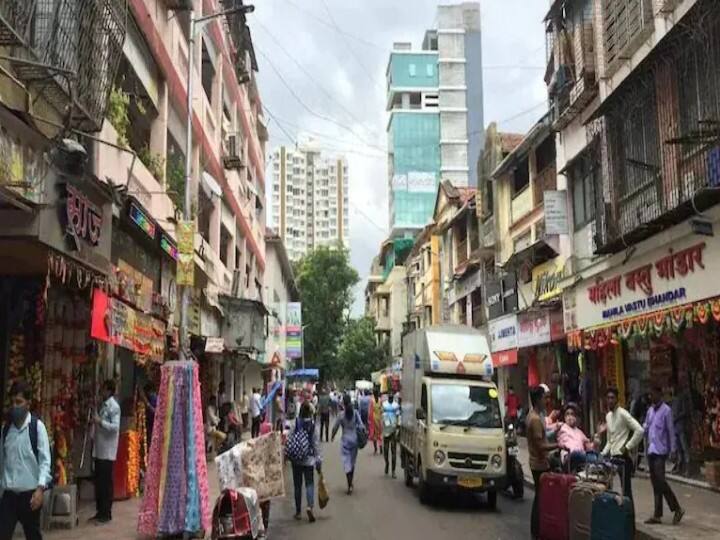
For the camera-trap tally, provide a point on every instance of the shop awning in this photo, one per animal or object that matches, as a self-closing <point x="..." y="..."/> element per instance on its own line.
<point x="307" y="373"/>
<point x="210" y="185"/>
<point x="536" y="253"/>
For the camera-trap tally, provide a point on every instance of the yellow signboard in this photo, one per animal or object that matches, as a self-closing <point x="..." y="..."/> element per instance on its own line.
<point x="186" y="237"/>
<point x="546" y="279"/>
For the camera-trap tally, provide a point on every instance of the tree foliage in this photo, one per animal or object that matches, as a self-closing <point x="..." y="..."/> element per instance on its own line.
<point x="359" y="353"/>
<point x="325" y="280"/>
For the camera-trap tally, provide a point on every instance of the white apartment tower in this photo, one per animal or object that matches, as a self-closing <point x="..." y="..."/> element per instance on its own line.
<point x="309" y="199"/>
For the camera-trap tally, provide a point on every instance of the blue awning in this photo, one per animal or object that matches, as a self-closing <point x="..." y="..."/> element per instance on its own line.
<point x="308" y="373"/>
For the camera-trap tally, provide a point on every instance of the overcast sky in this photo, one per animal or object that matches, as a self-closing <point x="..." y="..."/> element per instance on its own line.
<point x="322" y="74"/>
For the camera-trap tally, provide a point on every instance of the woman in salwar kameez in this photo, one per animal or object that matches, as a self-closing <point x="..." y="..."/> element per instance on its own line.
<point x="349" y="421"/>
<point x="375" y="421"/>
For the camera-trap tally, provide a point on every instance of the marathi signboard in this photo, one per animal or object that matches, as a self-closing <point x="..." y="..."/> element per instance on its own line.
<point x="662" y="278"/>
<point x="555" y="207"/>
<point x="114" y="321"/>
<point x="186" y="253"/>
<point x="294" y="331"/>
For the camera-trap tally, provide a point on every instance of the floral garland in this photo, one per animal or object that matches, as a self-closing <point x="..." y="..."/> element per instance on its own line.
<point x="654" y="324"/>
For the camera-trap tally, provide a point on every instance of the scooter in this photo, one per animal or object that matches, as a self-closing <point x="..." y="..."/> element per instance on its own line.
<point x="515" y="477"/>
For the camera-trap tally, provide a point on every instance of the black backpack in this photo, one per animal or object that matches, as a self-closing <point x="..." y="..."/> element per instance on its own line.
<point x="32" y="432"/>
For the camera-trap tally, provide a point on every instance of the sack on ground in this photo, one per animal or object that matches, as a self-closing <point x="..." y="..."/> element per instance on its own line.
<point x="323" y="495"/>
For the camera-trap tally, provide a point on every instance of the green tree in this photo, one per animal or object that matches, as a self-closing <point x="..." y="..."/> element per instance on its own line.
<point x="360" y="354"/>
<point x="325" y="280"/>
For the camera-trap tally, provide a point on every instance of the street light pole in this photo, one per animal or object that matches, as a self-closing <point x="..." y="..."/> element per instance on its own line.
<point x="195" y="26"/>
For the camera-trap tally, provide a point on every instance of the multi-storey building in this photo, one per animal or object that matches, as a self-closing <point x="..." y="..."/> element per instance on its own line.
<point x="310" y="199"/>
<point x="435" y="115"/>
<point x="93" y="105"/>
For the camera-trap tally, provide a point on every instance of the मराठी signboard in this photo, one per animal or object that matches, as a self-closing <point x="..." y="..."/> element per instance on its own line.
<point x="661" y="278"/>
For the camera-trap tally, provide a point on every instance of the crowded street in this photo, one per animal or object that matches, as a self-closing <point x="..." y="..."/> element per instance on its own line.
<point x="349" y="270"/>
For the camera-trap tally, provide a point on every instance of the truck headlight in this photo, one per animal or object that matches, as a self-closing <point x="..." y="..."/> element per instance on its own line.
<point x="439" y="457"/>
<point x="496" y="461"/>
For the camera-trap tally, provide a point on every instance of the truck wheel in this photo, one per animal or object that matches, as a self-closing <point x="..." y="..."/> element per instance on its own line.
<point x="408" y="473"/>
<point x="423" y="487"/>
<point x="492" y="499"/>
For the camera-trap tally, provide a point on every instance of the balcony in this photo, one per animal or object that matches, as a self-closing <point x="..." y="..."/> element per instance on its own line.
<point x="662" y="131"/>
<point x="383" y="324"/>
<point x="627" y="23"/>
<point x="487" y="233"/>
<point x="522" y="205"/>
<point x="69" y="53"/>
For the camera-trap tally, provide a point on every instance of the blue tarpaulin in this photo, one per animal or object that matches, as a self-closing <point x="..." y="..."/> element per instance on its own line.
<point x="270" y="395"/>
<point x="308" y="373"/>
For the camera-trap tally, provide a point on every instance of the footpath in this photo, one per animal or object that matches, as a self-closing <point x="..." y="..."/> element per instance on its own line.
<point x="702" y="508"/>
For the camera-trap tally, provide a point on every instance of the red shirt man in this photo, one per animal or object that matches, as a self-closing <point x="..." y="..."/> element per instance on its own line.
<point x="512" y="402"/>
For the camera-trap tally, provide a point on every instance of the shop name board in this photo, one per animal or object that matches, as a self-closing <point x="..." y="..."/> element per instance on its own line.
<point x="673" y="274"/>
<point x="546" y="279"/>
<point x="84" y="219"/>
<point x="139" y="218"/>
<point x="503" y="334"/>
<point x="501" y="296"/>
<point x="539" y="327"/>
<point x="670" y="266"/>
<point x="167" y="245"/>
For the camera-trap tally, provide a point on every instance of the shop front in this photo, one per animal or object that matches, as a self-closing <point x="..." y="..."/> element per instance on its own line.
<point x="54" y="251"/>
<point x="655" y="321"/>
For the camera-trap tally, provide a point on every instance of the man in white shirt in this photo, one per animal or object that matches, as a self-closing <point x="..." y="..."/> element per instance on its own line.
<point x="24" y="467"/>
<point x="255" y="412"/>
<point x="624" y="434"/>
<point x="107" y="433"/>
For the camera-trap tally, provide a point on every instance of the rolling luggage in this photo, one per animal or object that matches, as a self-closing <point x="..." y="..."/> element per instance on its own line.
<point x="582" y="496"/>
<point x="553" y="505"/>
<point x="613" y="517"/>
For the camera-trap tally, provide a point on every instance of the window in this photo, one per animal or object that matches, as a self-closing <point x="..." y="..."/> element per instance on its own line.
<point x="583" y="176"/>
<point x="465" y="405"/>
<point x="413" y="70"/>
<point x="430" y="70"/>
<point x="521" y="176"/>
<point x="424" y="398"/>
<point x="208" y="72"/>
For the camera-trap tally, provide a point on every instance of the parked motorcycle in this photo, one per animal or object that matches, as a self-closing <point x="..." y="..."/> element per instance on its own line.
<point x="515" y="476"/>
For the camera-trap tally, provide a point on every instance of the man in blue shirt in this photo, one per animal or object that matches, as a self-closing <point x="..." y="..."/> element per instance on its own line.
<point x="24" y="467"/>
<point x="107" y="433"/>
<point x="391" y="417"/>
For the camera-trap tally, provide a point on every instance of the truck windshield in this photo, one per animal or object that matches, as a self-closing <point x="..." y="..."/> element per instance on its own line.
<point x="464" y="405"/>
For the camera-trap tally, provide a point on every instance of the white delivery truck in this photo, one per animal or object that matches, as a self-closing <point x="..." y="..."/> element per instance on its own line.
<point x="451" y="432"/>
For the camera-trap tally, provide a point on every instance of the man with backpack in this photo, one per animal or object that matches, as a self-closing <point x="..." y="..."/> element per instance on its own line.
<point x="24" y="466"/>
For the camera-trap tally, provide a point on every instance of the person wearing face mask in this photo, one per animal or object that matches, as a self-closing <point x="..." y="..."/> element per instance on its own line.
<point x="107" y="433"/>
<point x="24" y="467"/>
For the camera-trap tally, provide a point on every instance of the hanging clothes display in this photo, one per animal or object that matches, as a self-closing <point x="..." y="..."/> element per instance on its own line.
<point x="176" y="497"/>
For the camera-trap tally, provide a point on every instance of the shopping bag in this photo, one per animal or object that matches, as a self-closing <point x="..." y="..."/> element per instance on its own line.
<point x="323" y="495"/>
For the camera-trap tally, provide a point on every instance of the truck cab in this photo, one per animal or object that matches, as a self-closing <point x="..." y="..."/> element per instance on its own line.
<point x="451" y="435"/>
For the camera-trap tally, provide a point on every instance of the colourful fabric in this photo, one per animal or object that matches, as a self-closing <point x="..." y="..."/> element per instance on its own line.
<point x="147" y="517"/>
<point x="172" y="511"/>
<point x="176" y="497"/>
<point x="192" y="508"/>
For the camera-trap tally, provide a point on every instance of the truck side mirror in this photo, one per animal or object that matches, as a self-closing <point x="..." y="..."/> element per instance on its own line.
<point x="420" y="414"/>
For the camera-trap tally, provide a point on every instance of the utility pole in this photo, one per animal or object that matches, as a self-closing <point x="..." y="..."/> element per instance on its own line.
<point x="196" y="25"/>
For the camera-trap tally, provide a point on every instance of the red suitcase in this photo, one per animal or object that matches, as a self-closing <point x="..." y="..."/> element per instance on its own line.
<point x="554" y="505"/>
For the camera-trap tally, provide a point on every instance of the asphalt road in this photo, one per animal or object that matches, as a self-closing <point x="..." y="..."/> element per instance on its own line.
<point x="384" y="509"/>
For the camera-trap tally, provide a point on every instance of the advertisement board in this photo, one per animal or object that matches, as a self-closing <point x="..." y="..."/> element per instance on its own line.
<point x="293" y="331"/>
<point x="503" y="333"/>
<point x="555" y="205"/>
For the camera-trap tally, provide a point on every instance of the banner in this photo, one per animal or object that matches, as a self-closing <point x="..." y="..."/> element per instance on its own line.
<point x="113" y="321"/>
<point x="293" y="331"/>
<point x="186" y="253"/>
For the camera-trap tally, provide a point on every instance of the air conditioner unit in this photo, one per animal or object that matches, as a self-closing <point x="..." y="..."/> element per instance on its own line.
<point x="233" y="158"/>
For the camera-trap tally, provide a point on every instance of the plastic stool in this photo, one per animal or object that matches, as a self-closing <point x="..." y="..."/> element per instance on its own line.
<point x="69" y="520"/>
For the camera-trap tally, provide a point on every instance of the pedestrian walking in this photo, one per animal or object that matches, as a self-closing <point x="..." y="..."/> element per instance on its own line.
<point x="364" y="406"/>
<point x="255" y="412"/>
<point x="350" y="422"/>
<point x="538" y="448"/>
<point x="661" y="444"/>
<point x="391" y="417"/>
<point x="376" y="423"/>
<point x="304" y="469"/>
<point x="681" y="410"/>
<point x="245" y="411"/>
<point x="624" y="434"/>
<point x="107" y="434"/>
<point x="324" y="410"/>
<point x="24" y="466"/>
